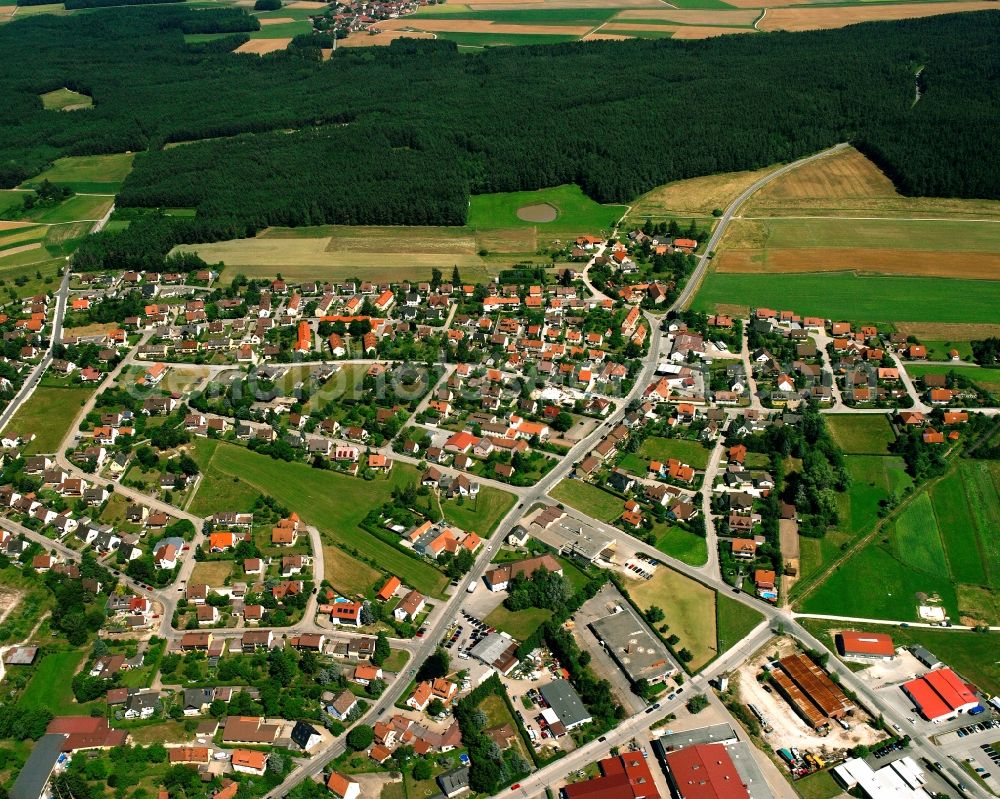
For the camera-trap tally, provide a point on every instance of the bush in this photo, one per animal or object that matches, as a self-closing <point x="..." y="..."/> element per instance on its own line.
<point x="267" y="5"/>
<point x="360" y="737"/>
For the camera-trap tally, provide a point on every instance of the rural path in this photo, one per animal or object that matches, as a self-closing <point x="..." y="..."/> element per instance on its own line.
<point x="694" y="282"/>
<point x="711" y="534"/>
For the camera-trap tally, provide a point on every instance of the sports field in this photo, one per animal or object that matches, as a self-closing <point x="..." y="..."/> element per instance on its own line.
<point x="93" y="174"/>
<point x="495" y="238"/>
<point x="335" y="503"/>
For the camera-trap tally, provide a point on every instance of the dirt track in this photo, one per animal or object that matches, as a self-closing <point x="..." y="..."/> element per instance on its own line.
<point x="916" y="263"/>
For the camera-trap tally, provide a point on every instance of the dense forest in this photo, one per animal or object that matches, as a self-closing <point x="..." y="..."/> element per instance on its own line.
<point x="403" y="134"/>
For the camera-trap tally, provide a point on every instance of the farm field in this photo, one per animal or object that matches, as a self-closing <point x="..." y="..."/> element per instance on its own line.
<point x="48" y="414"/>
<point x="662" y="449"/>
<point x="852" y="297"/>
<point x="96" y="174"/>
<point x="689" y="608"/>
<point x="481" y="514"/>
<point x="695" y="197"/>
<point x="861" y="434"/>
<point x="971" y="654"/>
<point x="987" y="379"/>
<point x="335" y="503"/>
<point x="588" y="499"/>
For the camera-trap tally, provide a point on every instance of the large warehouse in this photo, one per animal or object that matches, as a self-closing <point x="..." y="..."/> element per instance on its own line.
<point x="810" y="691"/>
<point x="940" y="695"/>
<point x="704" y="772"/>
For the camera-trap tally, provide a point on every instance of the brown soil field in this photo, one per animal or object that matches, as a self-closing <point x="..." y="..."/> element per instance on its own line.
<point x="695" y="196"/>
<point x="848" y="181"/>
<point x="609" y="37"/>
<point x="917" y="263"/>
<point x="758" y="4"/>
<point x="13" y="225"/>
<point x="261" y="46"/>
<point x="542" y="212"/>
<point x="310" y="4"/>
<point x="35" y="245"/>
<point x="947" y="331"/>
<point x="687" y="16"/>
<point x="481" y="26"/>
<point x="7" y="10"/>
<point x="274" y="20"/>
<point x="378" y="39"/>
<point x="813" y="17"/>
<point x="706" y="31"/>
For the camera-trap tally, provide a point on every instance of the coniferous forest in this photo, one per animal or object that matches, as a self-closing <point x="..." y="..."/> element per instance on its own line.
<point x="403" y="134"/>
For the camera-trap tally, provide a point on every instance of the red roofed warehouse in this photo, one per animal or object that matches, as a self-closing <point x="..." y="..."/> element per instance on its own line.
<point x="705" y="772"/>
<point x="940" y="695"/>
<point x="624" y="777"/>
<point x="872" y="646"/>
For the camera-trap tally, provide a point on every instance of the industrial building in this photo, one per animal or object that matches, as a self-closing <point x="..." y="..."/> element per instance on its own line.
<point x="901" y="779"/>
<point x="634" y="646"/>
<point x="940" y="695"/>
<point x="865" y="646"/>
<point x="740" y="755"/>
<point x="497" y="650"/>
<point x="704" y="771"/>
<point x="570" y="535"/>
<point x="624" y="777"/>
<point x="810" y="691"/>
<point x="565" y="708"/>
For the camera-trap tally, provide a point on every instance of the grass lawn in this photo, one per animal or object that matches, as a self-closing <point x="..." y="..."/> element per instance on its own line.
<point x="589" y="499"/>
<point x="48" y="414"/>
<point x="519" y="623"/>
<point x="497" y="714"/>
<point x="916" y="540"/>
<point x="97" y="174"/>
<point x="844" y="295"/>
<point x="212" y="572"/>
<point x="861" y="434"/>
<point x="679" y="543"/>
<point x="153" y="733"/>
<point x="971" y="654"/>
<point x="396" y="661"/>
<point x="662" y="449"/>
<point x="818" y="786"/>
<point x="576" y="213"/>
<point x="481" y="514"/>
<point x="982" y="487"/>
<point x="51" y="687"/>
<point x="689" y="607"/>
<point x="987" y="379"/>
<point x="346" y="573"/>
<point x="335" y="503"/>
<point x="733" y="621"/>
<point x="890" y="588"/>
<point x="958" y="531"/>
<point x="65" y="100"/>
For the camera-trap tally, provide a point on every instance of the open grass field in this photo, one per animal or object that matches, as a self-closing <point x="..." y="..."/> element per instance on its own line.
<point x="346" y="573"/>
<point x="961" y="539"/>
<point x="481" y="514"/>
<point x="576" y="213"/>
<point x="733" y="621"/>
<point x="335" y="503"/>
<point x="65" y="100"/>
<point x="48" y="413"/>
<point x="851" y="297"/>
<point x="213" y="573"/>
<point x="80" y="208"/>
<point x="981" y="480"/>
<point x="97" y="174"/>
<point x="51" y="686"/>
<point x="973" y="655"/>
<point x="916" y="540"/>
<point x="986" y="379"/>
<point x="588" y="499"/>
<point x="519" y="624"/>
<point x="952" y="333"/>
<point x="662" y="449"/>
<point x="861" y="434"/>
<point x="689" y="607"/>
<point x="381" y="39"/>
<point x="679" y="543"/>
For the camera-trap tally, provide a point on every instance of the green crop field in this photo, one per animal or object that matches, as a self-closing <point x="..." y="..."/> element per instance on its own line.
<point x="335" y="503"/>
<point x="861" y="434"/>
<point x="481" y="514"/>
<point x="693" y="453"/>
<point x="66" y="100"/>
<point x="679" y="543"/>
<point x="80" y="208"/>
<point x="589" y="499"/>
<point x="48" y="414"/>
<point x="916" y="540"/>
<point x="844" y="295"/>
<point x="972" y="654"/>
<point x="540" y="16"/>
<point x="283" y="30"/>
<point x="479" y="40"/>
<point x="576" y="213"/>
<point x="97" y="174"/>
<point x="986" y="379"/>
<point x="961" y="539"/>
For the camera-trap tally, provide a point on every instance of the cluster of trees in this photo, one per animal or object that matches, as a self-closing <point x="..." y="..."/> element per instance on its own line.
<point x="923" y="461"/>
<point x="405" y="133"/>
<point x="46" y="195"/>
<point x="21" y="724"/>
<point x="595" y="692"/>
<point x="987" y="351"/>
<point x="543" y="589"/>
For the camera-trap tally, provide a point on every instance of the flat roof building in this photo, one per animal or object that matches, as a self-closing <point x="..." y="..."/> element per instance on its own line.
<point x="901" y="779"/>
<point x="565" y="702"/>
<point x="569" y="534"/>
<point x="35" y="773"/>
<point x="704" y="771"/>
<point x="634" y="646"/>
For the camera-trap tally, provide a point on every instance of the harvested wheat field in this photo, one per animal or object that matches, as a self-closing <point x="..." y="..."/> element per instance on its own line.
<point x="813" y="17"/>
<point x="706" y="31"/>
<point x="916" y="263"/>
<point x="35" y="245"/>
<point x="6" y="11"/>
<point x="483" y="26"/>
<point x="600" y="36"/>
<point x="759" y="4"/>
<point x="13" y="224"/>
<point x="378" y="39"/>
<point x="695" y="196"/>
<point x="848" y="181"/>
<point x="262" y="46"/>
<point x="312" y="5"/>
<point x="947" y="331"/>
<point x="690" y="16"/>
<point x="535" y="5"/>
<point x="274" y="20"/>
